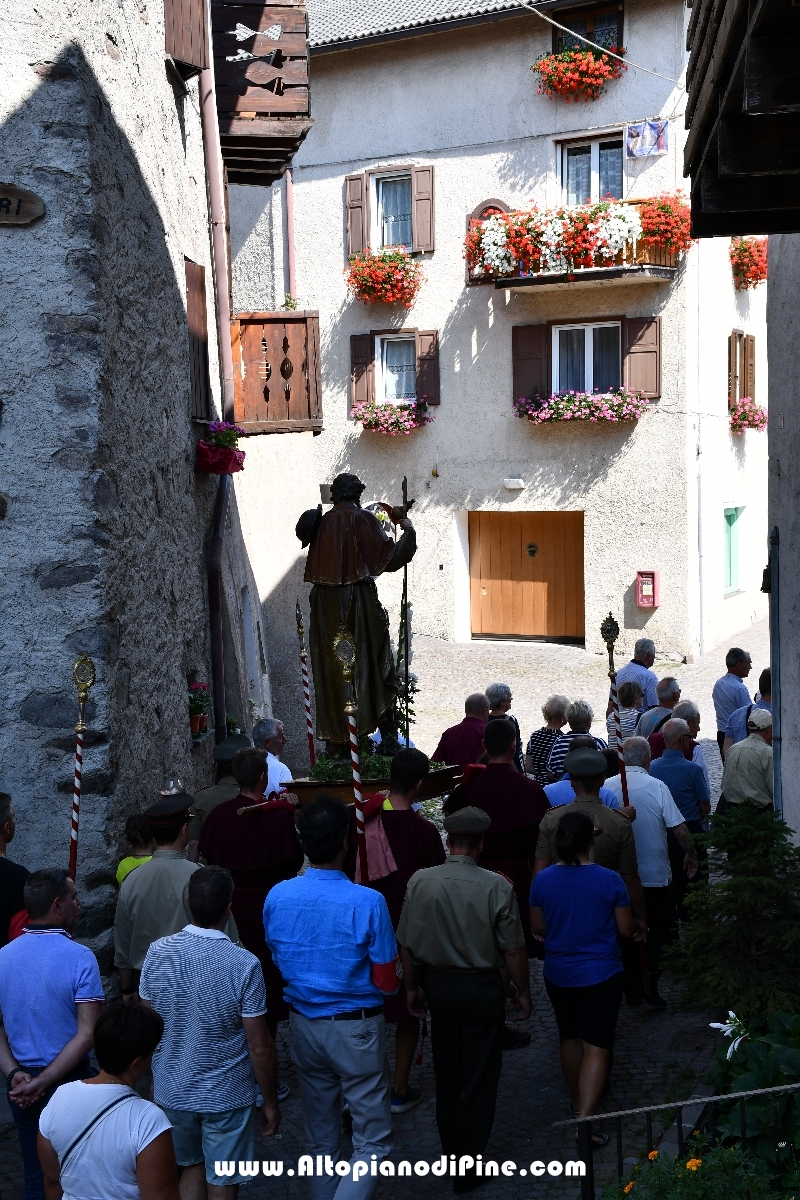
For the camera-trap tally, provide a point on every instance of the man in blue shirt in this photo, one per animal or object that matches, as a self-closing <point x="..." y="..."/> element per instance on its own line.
<point x="687" y="784"/>
<point x="736" y="729"/>
<point x="729" y="692"/>
<point x="50" y="1000"/>
<point x="562" y="792"/>
<point x="334" y="944"/>
<point x="638" y="670"/>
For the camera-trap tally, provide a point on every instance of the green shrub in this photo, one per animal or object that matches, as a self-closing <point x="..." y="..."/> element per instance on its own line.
<point x="702" y="1174"/>
<point x="741" y="948"/>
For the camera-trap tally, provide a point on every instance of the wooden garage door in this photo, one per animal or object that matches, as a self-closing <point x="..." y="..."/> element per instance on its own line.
<point x="526" y="574"/>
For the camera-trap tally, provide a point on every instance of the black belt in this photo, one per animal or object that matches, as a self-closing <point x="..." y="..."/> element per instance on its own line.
<point x="356" y="1014"/>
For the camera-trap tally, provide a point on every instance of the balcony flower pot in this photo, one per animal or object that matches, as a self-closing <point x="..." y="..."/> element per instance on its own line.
<point x="666" y="222"/>
<point x="613" y="407"/>
<point x="577" y="74"/>
<point x="748" y="262"/>
<point x="389" y="276"/>
<point x="194" y="723"/>
<point x="217" y="453"/>
<point x="392" y="419"/>
<point x="746" y="414"/>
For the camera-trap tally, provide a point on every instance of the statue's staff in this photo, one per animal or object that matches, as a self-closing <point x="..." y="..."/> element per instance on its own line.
<point x="83" y="676"/>
<point x="312" y="754"/>
<point x="345" y="652"/>
<point x="609" y="632"/>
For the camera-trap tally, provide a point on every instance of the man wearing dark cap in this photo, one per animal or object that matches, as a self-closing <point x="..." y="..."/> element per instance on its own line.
<point x="226" y="787"/>
<point x="614" y="847"/>
<point x="152" y="899"/>
<point x="459" y="926"/>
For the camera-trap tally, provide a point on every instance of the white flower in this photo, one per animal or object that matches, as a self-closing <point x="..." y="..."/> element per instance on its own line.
<point x="496" y="256"/>
<point x="732" y="1028"/>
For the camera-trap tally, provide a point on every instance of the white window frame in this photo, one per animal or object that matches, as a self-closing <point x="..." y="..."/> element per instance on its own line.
<point x="375" y="235"/>
<point x="380" y="387"/>
<point x="594" y="163"/>
<point x="588" y="361"/>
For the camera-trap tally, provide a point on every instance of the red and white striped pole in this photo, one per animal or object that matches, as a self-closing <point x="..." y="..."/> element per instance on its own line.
<point x="312" y="754"/>
<point x="344" y="651"/>
<point x="83" y="676"/>
<point x="612" y="675"/>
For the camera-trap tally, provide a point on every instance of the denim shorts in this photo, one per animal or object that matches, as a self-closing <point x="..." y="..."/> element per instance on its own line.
<point x="213" y="1137"/>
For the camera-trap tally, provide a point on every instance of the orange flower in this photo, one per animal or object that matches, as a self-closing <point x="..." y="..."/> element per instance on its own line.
<point x="628" y="1187"/>
<point x="694" y="1163"/>
<point x="653" y="1154"/>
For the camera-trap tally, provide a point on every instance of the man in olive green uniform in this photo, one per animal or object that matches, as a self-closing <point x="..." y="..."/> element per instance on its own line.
<point x="459" y="926"/>
<point x="226" y="787"/>
<point x="154" y="905"/>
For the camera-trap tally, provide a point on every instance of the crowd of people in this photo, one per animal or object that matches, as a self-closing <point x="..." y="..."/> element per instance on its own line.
<point x="238" y="909"/>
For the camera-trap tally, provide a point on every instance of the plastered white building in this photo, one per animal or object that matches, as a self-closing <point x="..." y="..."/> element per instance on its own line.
<point x="449" y="87"/>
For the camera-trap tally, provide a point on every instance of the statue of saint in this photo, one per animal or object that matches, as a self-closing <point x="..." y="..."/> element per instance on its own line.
<point x="348" y="548"/>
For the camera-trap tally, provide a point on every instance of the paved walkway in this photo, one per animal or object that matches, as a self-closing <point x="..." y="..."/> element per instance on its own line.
<point x="659" y="1056"/>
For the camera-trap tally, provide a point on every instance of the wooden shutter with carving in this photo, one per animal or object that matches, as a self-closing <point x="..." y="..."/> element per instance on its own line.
<point x="422" y="214"/>
<point x="362" y="368"/>
<point x="641" y="355"/>
<point x="530" y="357"/>
<point x="428" y="366"/>
<point x="356" y="202"/>
<point x="749" y="367"/>
<point x="196" y="316"/>
<point x="276" y="371"/>
<point x="186" y="34"/>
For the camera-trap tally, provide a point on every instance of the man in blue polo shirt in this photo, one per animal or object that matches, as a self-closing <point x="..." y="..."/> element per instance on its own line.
<point x="334" y="944"/>
<point x="50" y="999"/>
<point x="687" y="783"/>
<point x="736" y="729"/>
<point x="729" y="693"/>
<point x="638" y="671"/>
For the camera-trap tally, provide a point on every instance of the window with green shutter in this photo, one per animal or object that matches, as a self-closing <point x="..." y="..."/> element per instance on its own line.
<point x="731" y="550"/>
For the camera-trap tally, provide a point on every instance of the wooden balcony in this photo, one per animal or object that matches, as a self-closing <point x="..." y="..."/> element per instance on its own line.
<point x="635" y="264"/>
<point x="261" y="69"/>
<point x="276" y="372"/>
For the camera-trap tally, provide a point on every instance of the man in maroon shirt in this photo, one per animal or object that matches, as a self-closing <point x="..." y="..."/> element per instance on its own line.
<point x="414" y="843"/>
<point x="463" y="743"/>
<point x="516" y="805"/>
<point x="259" y="849"/>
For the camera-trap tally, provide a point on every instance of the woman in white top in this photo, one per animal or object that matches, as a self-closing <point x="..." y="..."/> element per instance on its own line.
<point x="631" y="695"/>
<point x="98" y="1139"/>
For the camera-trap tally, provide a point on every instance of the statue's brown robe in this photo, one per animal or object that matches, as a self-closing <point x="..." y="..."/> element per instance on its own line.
<point x="349" y="549"/>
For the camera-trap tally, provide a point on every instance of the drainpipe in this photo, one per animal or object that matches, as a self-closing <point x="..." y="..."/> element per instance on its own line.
<point x="775" y="662"/>
<point x="216" y="197"/>
<point x="290" y="233"/>
<point x="215" y="607"/>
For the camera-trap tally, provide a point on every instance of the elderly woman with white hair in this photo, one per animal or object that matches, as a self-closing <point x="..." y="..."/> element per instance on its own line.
<point x="500" y="697"/>
<point x="541" y="741"/>
<point x="580" y="715"/>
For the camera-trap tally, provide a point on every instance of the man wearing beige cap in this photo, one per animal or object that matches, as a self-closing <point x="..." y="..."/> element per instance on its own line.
<point x="459" y="927"/>
<point x="748" y="765"/>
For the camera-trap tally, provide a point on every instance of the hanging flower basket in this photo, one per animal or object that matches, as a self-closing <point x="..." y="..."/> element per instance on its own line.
<point x="217" y="453"/>
<point x="391" y="276"/>
<point x="595" y="407"/>
<point x="392" y="419"/>
<point x="749" y="262"/>
<point x="557" y="239"/>
<point x="746" y="414"/>
<point x="577" y="74"/>
<point x="666" y="223"/>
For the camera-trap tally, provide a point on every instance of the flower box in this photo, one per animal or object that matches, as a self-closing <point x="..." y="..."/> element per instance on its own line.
<point x="748" y="262"/>
<point x="217" y="454"/>
<point x="389" y="276"/>
<point x="577" y="74"/>
<point x="746" y="414"/>
<point x="611" y="407"/>
<point x="391" y="419"/>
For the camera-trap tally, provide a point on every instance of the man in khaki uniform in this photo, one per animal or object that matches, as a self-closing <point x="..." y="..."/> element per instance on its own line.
<point x="226" y="787"/>
<point x="152" y="902"/>
<point x="459" y="926"/>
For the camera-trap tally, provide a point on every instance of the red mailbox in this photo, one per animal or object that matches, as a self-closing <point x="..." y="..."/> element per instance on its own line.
<point x="648" y="589"/>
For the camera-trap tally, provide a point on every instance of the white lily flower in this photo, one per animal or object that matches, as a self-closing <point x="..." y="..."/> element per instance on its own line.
<point x="733" y="1028"/>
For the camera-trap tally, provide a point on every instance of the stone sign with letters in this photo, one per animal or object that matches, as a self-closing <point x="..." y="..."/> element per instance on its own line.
<point x="18" y="207"/>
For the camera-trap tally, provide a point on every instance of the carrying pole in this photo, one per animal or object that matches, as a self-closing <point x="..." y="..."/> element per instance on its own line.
<point x="405" y="625"/>
<point x="83" y="676"/>
<point x="312" y="754"/>
<point x="344" y="651"/>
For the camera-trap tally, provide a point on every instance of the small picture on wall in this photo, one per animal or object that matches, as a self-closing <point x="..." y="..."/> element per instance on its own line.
<point x="647" y="138"/>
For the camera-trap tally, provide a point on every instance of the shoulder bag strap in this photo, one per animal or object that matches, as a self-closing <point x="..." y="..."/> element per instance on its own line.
<point x="92" y="1124"/>
<point x="658" y="727"/>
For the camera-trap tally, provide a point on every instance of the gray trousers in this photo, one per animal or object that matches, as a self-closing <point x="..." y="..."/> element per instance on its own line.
<point x="335" y="1059"/>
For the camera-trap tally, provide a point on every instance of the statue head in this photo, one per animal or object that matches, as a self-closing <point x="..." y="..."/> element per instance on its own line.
<point x="346" y="487"/>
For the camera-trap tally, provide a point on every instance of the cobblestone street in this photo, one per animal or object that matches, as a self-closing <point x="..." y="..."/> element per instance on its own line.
<point x="658" y="1056"/>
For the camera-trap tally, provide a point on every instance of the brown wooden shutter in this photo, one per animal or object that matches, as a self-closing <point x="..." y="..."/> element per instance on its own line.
<point x="198" y="341"/>
<point x="641" y="362"/>
<point x="362" y="369"/>
<point x="749" y="365"/>
<point x="186" y="33"/>
<point x="529" y="353"/>
<point x="732" y="345"/>
<point x="356" y="202"/>
<point x="428" y="366"/>
<point x="422" y="218"/>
